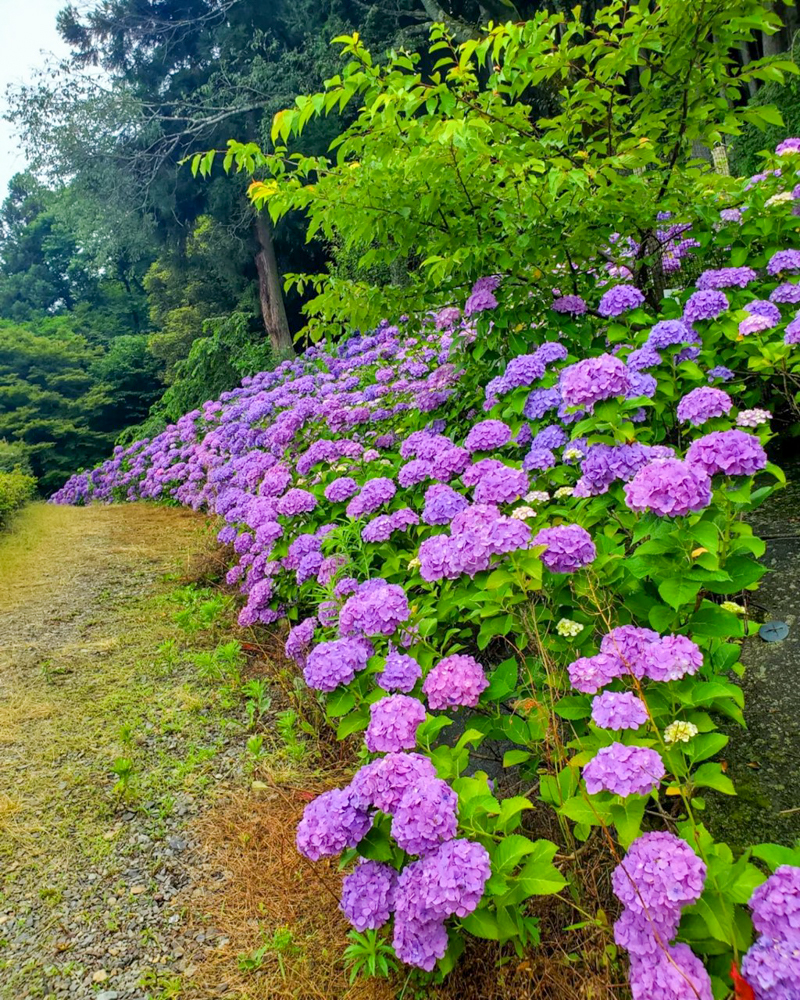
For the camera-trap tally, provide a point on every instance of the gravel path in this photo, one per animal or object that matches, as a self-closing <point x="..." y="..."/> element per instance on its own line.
<point x="99" y="875"/>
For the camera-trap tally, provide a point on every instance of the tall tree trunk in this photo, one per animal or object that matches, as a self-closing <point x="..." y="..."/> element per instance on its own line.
<point x="747" y="57"/>
<point x="772" y="44"/>
<point x="270" y="292"/>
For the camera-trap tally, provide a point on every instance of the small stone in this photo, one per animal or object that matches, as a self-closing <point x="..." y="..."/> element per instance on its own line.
<point x="137" y="890"/>
<point x="100" y="976"/>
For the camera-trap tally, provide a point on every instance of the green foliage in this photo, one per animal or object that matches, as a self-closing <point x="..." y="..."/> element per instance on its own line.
<point x="446" y="169"/>
<point x="16" y="488"/>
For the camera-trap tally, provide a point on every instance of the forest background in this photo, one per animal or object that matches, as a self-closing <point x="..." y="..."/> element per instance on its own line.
<point x="131" y="291"/>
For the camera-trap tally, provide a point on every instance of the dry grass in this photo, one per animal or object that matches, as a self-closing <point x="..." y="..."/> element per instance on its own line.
<point x="267" y="886"/>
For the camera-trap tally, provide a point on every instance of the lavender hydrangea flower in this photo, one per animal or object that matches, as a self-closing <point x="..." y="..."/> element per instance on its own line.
<point x="588" y="674"/>
<point x="754" y="324"/>
<point x="672" y="657"/>
<point x="787" y="293"/>
<point x="720" y="372"/>
<point x="455" y="680"/>
<point x="776" y="906"/>
<point x="442" y="503"/>
<point x="702" y="404"/>
<point x="299" y="640"/>
<point x="732" y="453"/>
<point x="791" y="145"/>
<point x="674" y="974"/>
<point x="772" y="969"/>
<point x="384" y="782"/>
<point x="368" y="894"/>
<point x="629" y="644"/>
<point x="538" y="459"/>
<point x="669" y="333"/>
<point x="503" y="485"/>
<point x="761" y="307"/>
<point x="488" y="435"/>
<point x="550" y="437"/>
<point x="330" y="664"/>
<point x="594" y="379"/>
<point x="784" y="261"/>
<point x="480" y="301"/>
<point x="419" y="943"/>
<point x="624" y="770"/>
<point x="659" y="875"/>
<point x="425" y="817"/>
<point x="792" y="334"/>
<point x="447" y="882"/>
<point x="573" y="305"/>
<point x="618" y="710"/>
<point x="569" y="548"/>
<point x="644" y="357"/>
<point x="295" y="502"/>
<point x="393" y="723"/>
<point x="400" y="673"/>
<point x="540" y="402"/>
<point x="620" y="299"/>
<point x="705" y="305"/>
<point x="373" y="495"/>
<point x="669" y="488"/>
<point x="726" y="277"/>
<point x="377" y="608"/>
<point x="330" y="824"/>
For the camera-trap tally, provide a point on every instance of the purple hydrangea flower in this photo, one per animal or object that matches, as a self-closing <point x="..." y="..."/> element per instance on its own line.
<point x="368" y="894"/>
<point x="702" y="404"/>
<point x="720" y="372"/>
<point x="588" y="674"/>
<point x="540" y="402"/>
<point x="330" y="664"/>
<point x="455" y="680"/>
<point x="574" y="305"/>
<point x="419" y="943"/>
<point x="672" y="657"/>
<point x="330" y="824"/>
<point x="295" y="502"/>
<point x="377" y="608"/>
<point x="447" y="882"/>
<point x="488" y="435"/>
<point x="393" y="723"/>
<point x="624" y="770"/>
<point x="299" y="640"/>
<point x="754" y="324"/>
<point x="644" y="357"/>
<point x="659" y="875"/>
<point x="373" y="495"/>
<point x="669" y="488"/>
<point x="629" y="644"/>
<point x="414" y="472"/>
<point x="618" y="710"/>
<point x="784" y="260"/>
<point x="674" y="974"/>
<point x="538" y="459"/>
<point x="503" y="485"/>
<point x="379" y="529"/>
<point x="384" y="782"/>
<point x="569" y="548"/>
<point x="550" y="437"/>
<point x="760" y="307"/>
<point x="726" y="277"/>
<point x="776" y="906"/>
<point x="480" y="301"/>
<point x="442" y="503"/>
<point x="787" y="293"/>
<point x="791" y="145"/>
<point x="792" y="334"/>
<point x="594" y="379"/>
<point x="732" y="453"/>
<point x="705" y="305"/>
<point x="400" y="673"/>
<point x="425" y="817"/>
<point x="668" y="333"/>
<point x="620" y="299"/>
<point x="772" y="968"/>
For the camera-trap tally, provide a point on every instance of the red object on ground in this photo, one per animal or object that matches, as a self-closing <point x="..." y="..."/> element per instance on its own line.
<point x="741" y="989"/>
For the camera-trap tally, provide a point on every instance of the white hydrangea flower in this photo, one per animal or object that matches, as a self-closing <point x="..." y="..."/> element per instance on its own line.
<point x="572" y="454"/>
<point x="523" y="513"/>
<point x="680" y="732"/>
<point x="567" y="627"/>
<point x="753" y="418"/>
<point x="537" y="496"/>
<point x="737" y="609"/>
<point x="563" y="491"/>
<point x="779" y="199"/>
<point x="414" y="564"/>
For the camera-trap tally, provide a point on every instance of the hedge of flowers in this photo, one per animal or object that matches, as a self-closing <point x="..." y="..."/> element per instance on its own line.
<point x="550" y="550"/>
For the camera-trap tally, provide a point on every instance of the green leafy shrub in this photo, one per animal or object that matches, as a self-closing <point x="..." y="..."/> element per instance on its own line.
<point x="16" y="489"/>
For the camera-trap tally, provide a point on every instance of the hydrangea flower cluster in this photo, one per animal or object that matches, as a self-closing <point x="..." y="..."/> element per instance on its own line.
<point x="658" y="877"/>
<point x="772" y="965"/>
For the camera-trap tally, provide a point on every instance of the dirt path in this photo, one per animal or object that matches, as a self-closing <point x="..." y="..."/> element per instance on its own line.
<point x="107" y="745"/>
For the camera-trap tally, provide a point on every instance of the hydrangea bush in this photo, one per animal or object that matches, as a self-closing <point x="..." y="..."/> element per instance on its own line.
<point x="544" y="539"/>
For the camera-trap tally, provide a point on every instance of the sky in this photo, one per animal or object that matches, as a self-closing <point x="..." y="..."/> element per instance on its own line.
<point x="27" y="34"/>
